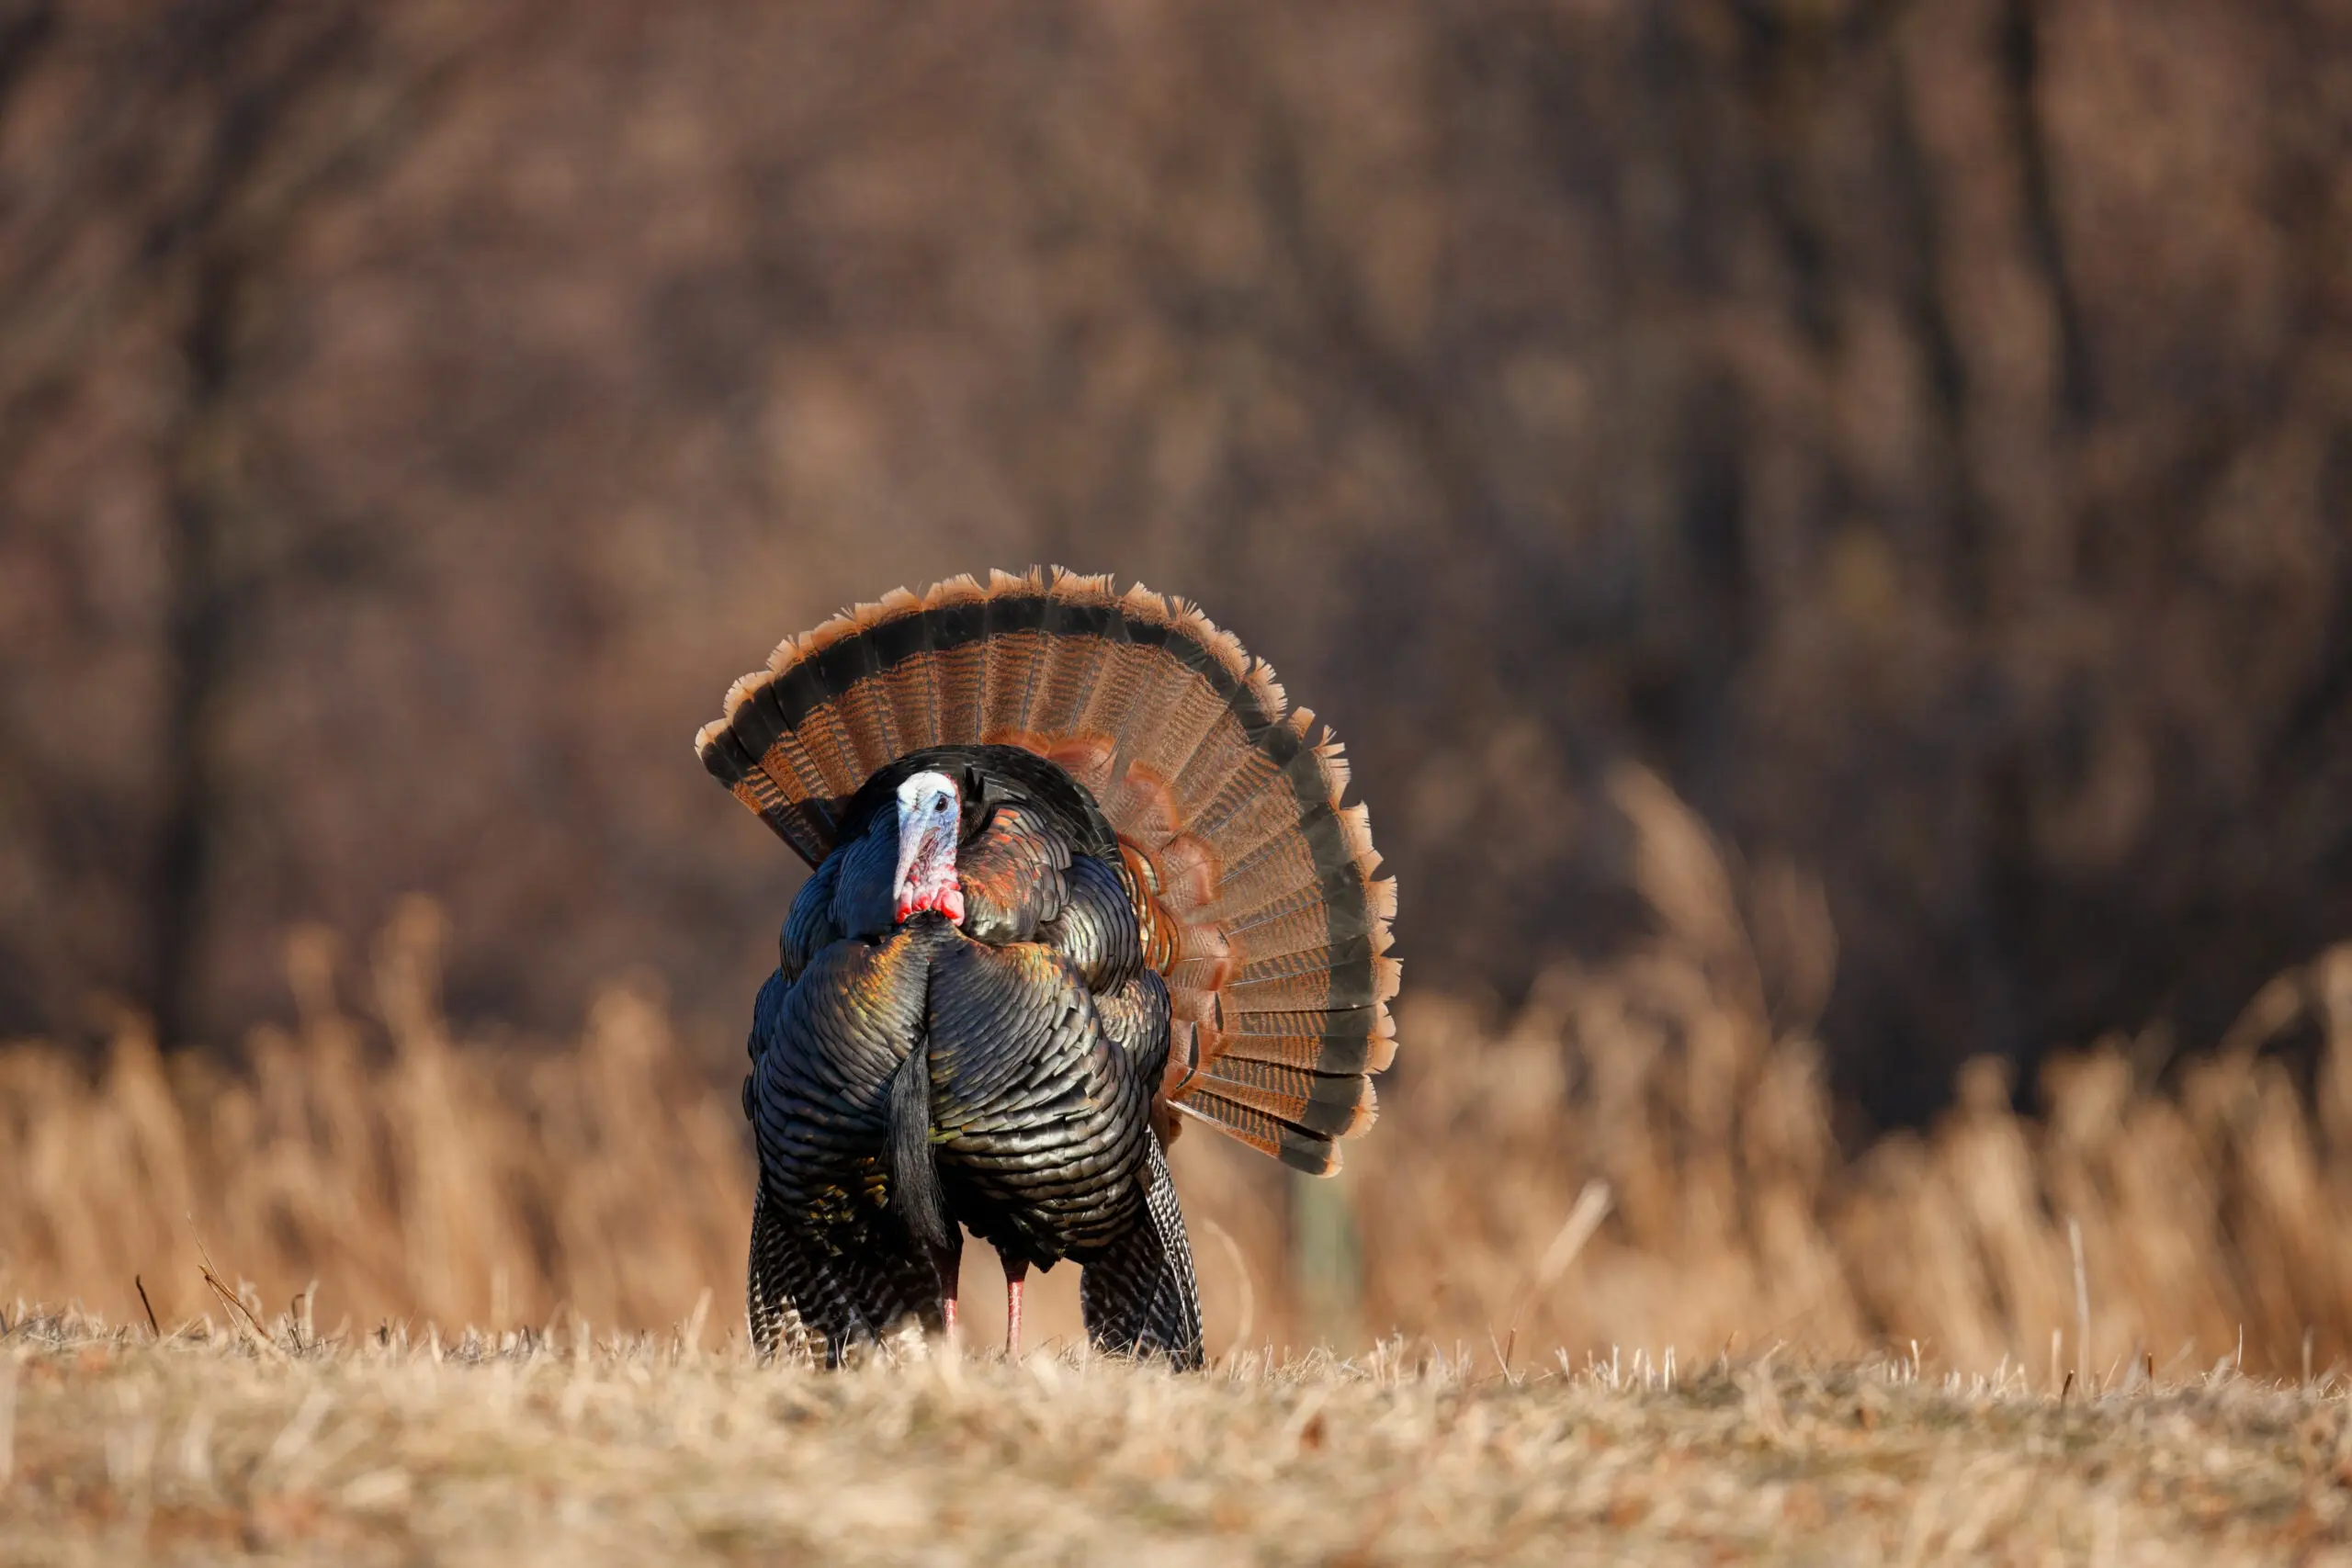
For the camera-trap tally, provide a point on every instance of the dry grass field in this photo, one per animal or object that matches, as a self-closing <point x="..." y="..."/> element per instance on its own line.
<point x="1604" y="1281"/>
<point x="265" y="1442"/>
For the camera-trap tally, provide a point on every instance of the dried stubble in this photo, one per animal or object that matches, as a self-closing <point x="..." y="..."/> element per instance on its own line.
<point x="527" y="1450"/>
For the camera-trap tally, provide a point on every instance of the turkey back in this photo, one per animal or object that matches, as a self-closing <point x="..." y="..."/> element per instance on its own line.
<point x="1252" y="882"/>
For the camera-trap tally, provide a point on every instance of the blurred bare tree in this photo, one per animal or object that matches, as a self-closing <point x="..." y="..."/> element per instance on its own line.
<point x="1923" y="432"/>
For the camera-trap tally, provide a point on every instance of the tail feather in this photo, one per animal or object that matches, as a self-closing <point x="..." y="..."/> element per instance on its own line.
<point x="955" y="615"/>
<point x="1334" y="1104"/>
<point x="1313" y="1153"/>
<point x="1081" y="637"/>
<point x="1127" y="696"/>
<point x="1314" y="1053"/>
<point x="1256" y="882"/>
<point x="1016" y="655"/>
<point x="874" y="739"/>
<point x="909" y="672"/>
<point x="1160" y="741"/>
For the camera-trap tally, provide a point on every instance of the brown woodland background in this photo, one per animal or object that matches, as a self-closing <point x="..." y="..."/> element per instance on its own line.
<point x="1921" y="434"/>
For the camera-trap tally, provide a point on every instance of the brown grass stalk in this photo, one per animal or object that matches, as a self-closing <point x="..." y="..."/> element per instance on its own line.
<point x="398" y="1174"/>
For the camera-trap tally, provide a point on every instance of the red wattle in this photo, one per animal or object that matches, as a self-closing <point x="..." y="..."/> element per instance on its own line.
<point x="947" y="900"/>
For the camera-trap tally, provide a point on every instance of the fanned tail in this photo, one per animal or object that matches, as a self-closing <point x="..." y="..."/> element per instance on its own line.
<point x="1139" y="1297"/>
<point x="1255" y="884"/>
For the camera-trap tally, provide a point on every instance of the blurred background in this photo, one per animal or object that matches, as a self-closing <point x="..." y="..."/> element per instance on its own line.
<point x="1905" y="449"/>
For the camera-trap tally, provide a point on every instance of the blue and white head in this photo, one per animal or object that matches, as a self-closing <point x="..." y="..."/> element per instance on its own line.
<point x="931" y="820"/>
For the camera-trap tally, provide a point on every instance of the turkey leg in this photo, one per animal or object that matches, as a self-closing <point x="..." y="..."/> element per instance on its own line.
<point x="1014" y="1272"/>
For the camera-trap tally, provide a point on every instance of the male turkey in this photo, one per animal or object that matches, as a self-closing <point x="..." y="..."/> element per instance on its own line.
<point x="1079" y="868"/>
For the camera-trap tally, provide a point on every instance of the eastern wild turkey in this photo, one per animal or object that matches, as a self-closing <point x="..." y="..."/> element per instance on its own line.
<point x="1080" y="871"/>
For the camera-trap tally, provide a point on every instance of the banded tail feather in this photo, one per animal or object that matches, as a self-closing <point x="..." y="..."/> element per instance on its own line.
<point x="1255" y="884"/>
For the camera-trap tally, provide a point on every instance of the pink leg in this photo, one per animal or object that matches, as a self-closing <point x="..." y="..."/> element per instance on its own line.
<point x="1014" y="1274"/>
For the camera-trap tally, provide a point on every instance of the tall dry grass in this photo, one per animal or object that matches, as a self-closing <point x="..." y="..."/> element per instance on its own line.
<point x="407" y="1174"/>
<point x="2209" y="1216"/>
<point x="411" y="1174"/>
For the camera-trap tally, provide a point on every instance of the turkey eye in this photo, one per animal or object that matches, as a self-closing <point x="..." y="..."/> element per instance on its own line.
<point x="939" y="802"/>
